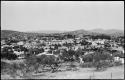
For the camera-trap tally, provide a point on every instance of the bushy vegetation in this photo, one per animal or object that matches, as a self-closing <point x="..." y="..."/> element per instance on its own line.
<point x="88" y="58"/>
<point x="44" y="60"/>
<point x="100" y="59"/>
<point x="117" y="63"/>
<point x="4" y="67"/>
<point x="30" y="65"/>
<point x="87" y="65"/>
<point x="7" y="53"/>
<point x="13" y="69"/>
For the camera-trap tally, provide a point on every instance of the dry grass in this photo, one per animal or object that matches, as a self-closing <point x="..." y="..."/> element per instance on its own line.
<point x="79" y="73"/>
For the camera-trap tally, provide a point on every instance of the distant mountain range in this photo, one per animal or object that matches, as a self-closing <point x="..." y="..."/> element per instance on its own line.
<point x="112" y="32"/>
<point x="9" y="33"/>
<point x="47" y="31"/>
<point x="6" y="33"/>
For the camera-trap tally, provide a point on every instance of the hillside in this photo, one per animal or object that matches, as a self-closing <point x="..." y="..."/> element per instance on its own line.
<point x="81" y="32"/>
<point x="6" y="33"/>
<point x="10" y="33"/>
<point x="111" y="32"/>
<point x="46" y="31"/>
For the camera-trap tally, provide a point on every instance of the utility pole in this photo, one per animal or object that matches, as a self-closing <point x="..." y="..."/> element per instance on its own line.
<point x="111" y="75"/>
<point x="93" y="74"/>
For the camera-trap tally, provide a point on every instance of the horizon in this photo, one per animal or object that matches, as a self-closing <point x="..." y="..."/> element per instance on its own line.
<point x="26" y="16"/>
<point x="65" y="30"/>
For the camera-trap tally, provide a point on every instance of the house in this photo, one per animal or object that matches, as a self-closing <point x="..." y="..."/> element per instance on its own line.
<point x="45" y="52"/>
<point x="5" y="46"/>
<point x="122" y="60"/>
<point x="3" y="42"/>
<point x="94" y="43"/>
<point x="88" y="52"/>
<point x="27" y="45"/>
<point x="63" y="47"/>
<point x="119" y="59"/>
<point x="118" y="49"/>
<point x="100" y="41"/>
<point x="20" y="43"/>
<point x="116" y="58"/>
<point x="20" y="54"/>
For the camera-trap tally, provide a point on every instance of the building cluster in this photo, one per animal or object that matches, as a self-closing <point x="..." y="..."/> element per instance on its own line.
<point x="86" y="44"/>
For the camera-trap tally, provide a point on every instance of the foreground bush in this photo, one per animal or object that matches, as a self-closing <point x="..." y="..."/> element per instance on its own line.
<point x="13" y="69"/>
<point x="72" y="66"/>
<point x="86" y="65"/>
<point x="5" y="67"/>
<point x="34" y="62"/>
<point x="100" y="65"/>
<point x="117" y="63"/>
<point x="30" y="65"/>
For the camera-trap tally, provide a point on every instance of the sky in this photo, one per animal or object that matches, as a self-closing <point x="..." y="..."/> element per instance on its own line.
<point x="61" y="15"/>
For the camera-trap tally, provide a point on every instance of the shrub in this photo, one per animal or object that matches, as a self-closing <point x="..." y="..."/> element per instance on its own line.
<point x="31" y="63"/>
<point x="88" y="57"/>
<point x="86" y="65"/>
<point x="72" y="66"/>
<point x="117" y="63"/>
<point x="5" y="67"/>
<point x="102" y="59"/>
<point x="9" y="56"/>
<point x="12" y="69"/>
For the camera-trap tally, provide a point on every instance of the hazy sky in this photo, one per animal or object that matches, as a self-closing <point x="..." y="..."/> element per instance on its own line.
<point x="61" y="15"/>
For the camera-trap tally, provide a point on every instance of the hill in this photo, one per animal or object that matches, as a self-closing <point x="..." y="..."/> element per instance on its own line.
<point x="81" y="32"/>
<point x="111" y="32"/>
<point x="46" y="31"/>
<point x="7" y="33"/>
<point x="11" y="33"/>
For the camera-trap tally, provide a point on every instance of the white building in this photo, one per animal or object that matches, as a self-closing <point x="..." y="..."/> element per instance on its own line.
<point x="119" y="59"/>
<point x="20" y="43"/>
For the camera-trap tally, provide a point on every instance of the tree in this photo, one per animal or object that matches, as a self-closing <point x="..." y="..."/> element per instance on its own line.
<point x="118" y="54"/>
<point x="88" y="58"/>
<point x="78" y="53"/>
<point x="7" y="53"/>
<point x="71" y="52"/>
<point x="64" y="55"/>
<point x="84" y="42"/>
<point x="33" y="62"/>
<point x="107" y="44"/>
<point x="100" y="56"/>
